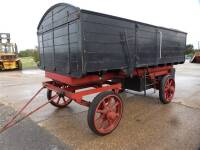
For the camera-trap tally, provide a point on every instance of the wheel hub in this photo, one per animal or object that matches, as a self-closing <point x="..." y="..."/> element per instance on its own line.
<point x="111" y="115"/>
<point x="61" y="94"/>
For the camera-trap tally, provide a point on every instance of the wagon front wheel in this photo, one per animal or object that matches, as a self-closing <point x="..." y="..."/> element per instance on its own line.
<point x="105" y="113"/>
<point x="167" y="89"/>
<point x="61" y="101"/>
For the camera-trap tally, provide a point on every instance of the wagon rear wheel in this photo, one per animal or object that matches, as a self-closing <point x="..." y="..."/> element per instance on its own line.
<point x="61" y="101"/>
<point x="105" y="113"/>
<point x="167" y="89"/>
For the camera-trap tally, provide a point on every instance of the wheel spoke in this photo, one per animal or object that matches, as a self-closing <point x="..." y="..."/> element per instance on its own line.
<point x="115" y="105"/>
<point x="166" y="89"/>
<point x="110" y="122"/>
<point x="104" y="104"/>
<point x="110" y="126"/>
<point x="168" y="84"/>
<point x="172" y="89"/>
<point x="100" y="111"/>
<point x="53" y="95"/>
<point x="99" y="121"/>
<point x="110" y="102"/>
<point x="166" y="95"/>
<point x="117" y="114"/>
<point x="58" y="100"/>
<point x="172" y="83"/>
<point x="65" y="102"/>
<point x="99" y="118"/>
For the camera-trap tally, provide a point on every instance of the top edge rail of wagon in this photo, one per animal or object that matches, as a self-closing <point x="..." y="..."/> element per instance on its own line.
<point x="102" y="14"/>
<point x="115" y="17"/>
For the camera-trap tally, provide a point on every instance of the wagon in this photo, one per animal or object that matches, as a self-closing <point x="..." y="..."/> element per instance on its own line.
<point x="85" y="52"/>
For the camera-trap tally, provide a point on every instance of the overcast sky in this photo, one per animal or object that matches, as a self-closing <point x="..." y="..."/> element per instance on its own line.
<point x="21" y="17"/>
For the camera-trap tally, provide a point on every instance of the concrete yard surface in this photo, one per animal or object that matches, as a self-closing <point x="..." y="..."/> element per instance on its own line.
<point x="146" y="123"/>
<point x="27" y="135"/>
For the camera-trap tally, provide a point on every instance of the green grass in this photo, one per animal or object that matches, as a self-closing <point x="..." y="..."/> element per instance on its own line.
<point x="28" y="62"/>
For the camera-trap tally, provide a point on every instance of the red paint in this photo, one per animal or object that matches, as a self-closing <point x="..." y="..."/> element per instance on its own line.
<point x="89" y="79"/>
<point x="77" y="96"/>
<point x="155" y="71"/>
<point x="94" y="79"/>
<point x="169" y="89"/>
<point x="96" y="83"/>
<point x="108" y="114"/>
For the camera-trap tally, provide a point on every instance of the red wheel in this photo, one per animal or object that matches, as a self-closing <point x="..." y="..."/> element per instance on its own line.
<point x="61" y="101"/>
<point x="105" y="113"/>
<point x="167" y="89"/>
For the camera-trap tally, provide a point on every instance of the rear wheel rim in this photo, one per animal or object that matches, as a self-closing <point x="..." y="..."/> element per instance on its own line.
<point x="169" y="89"/>
<point x="108" y="114"/>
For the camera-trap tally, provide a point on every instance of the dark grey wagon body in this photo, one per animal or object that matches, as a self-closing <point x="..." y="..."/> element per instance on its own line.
<point x="76" y="42"/>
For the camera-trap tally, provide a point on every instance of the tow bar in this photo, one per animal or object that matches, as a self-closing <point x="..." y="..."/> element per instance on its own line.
<point x="13" y="121"/>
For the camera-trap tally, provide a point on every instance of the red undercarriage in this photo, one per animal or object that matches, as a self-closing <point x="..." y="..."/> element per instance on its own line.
<point x="96" y="84"/>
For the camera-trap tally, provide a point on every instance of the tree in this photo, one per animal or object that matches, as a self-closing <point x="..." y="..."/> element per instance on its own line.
<point x="30" y="53"/>
<point x="36" y="56"/>
<point x="189" y="49"/>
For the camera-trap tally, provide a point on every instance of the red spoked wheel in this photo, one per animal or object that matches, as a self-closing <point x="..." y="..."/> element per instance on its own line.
<point x="105" y="113"/>
<point x="61" y="101"/>
<point x="167" y="89"/>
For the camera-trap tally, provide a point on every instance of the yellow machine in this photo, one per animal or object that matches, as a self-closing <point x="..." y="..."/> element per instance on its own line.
<point x="8" y="54"/>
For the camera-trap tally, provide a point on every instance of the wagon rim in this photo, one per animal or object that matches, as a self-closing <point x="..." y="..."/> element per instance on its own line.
<point x="108" y="114"/>
<point x="169" y="89"/>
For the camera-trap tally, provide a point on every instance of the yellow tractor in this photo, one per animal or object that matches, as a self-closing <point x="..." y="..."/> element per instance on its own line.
<point x="9" y="59"/>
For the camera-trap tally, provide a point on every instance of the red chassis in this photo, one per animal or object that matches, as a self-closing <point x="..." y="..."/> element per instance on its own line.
<point x="105" y="111"/>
